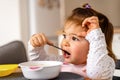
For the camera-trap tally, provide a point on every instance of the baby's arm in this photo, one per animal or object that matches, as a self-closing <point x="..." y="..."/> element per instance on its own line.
<point x="99" y="64"/>
<point x="36" y="48"/>
<point x="36" y="53"/>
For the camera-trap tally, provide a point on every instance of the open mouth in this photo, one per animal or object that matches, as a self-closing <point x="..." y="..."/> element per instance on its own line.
<point x="66" y="54"/>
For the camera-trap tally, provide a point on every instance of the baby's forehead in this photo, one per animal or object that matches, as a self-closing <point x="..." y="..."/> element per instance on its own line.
<point x="72" y="23"/>
<point x="76" y="30"/>
<point x="73" y="26"/>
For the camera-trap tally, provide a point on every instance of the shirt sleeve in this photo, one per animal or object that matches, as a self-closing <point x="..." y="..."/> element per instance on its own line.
<point x="39" y="54"/>
<point x="99" y="64"/>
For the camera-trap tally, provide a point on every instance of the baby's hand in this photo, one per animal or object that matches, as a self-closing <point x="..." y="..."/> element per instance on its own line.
<point x="91" y="23"/>
<point x="38" y="40"/>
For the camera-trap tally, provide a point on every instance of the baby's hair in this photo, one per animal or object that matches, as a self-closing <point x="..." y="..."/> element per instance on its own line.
<point x="86" y="6"/>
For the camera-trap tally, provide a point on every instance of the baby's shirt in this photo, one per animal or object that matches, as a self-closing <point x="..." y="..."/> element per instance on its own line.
<point x="99" y="64"/>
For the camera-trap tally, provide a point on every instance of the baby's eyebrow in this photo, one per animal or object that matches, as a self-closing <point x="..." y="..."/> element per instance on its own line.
<point x="76" y="35"/>
<point x="63" y="32"/>
<point x="72" y="34"/>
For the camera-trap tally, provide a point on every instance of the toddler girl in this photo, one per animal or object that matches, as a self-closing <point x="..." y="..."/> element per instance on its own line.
<point x="87" y="36"/>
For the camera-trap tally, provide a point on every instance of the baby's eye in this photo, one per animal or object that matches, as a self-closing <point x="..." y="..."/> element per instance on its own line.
<point x="75" y="38"/>
<point x="64" y="36"/>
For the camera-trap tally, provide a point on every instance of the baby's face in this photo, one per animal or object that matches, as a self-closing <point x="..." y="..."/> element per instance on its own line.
<point x="75" y="43"/>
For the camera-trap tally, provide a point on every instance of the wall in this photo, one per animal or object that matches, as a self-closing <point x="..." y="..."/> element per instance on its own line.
<point x="24" y="21"/>
<point x="43" y="19"/>
<point x="13" y="21"/>
<point x="116" y="45"/>
<point x="9" y="21"/>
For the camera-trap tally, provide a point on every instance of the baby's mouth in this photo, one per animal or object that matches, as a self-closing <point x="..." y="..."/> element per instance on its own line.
<point x="66" y="54"/>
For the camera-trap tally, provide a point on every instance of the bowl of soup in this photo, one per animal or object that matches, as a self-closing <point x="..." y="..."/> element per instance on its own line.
<point x="40" y="69"/>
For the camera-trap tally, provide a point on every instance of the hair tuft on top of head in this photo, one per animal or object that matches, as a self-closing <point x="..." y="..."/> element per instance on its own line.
<point x="86" y="6"/>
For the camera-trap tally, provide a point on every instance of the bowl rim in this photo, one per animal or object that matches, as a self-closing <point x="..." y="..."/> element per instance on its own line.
<point x="23" y="64"/>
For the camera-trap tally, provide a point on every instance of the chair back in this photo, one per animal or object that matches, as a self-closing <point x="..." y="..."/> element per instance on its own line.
<point x="13" y="53"/>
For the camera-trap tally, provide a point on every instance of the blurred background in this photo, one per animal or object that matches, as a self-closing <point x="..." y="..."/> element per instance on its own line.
<point x="19" y="19"/>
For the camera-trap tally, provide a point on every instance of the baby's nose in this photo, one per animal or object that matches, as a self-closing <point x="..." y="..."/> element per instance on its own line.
<point x="65" y="43"/>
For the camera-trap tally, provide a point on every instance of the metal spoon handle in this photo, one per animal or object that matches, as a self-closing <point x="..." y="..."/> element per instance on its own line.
<point x="59" y="48"/>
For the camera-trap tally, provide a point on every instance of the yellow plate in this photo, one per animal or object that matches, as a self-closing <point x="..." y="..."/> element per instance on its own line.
<point x="7" y="69"/>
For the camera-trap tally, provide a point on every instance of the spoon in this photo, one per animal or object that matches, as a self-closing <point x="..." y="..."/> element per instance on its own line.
<point x="59" y="48"/>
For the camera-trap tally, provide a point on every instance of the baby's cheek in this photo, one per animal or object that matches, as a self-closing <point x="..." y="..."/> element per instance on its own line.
<point x="76" y="49"/>
<point x="61" y="44"/>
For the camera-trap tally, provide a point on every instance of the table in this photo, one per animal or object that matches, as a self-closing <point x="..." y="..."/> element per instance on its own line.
<point x="14" y="76"/>
<point x="62" y="76"/>
<point x="68" y="76"/>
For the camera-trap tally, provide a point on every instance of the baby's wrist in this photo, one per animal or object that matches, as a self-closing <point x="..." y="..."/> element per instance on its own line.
<point x="92" y="29"/>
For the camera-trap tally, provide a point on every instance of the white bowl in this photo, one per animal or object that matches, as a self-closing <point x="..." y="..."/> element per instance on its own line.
<point x="41" y="69"/>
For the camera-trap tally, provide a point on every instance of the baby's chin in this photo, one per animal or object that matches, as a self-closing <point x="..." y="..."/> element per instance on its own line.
<point x="68" y="61"/>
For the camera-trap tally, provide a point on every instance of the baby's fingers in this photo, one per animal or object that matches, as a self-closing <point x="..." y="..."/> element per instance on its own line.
<point x="39" y="39"/>
<point x="34" y="42"/>
<point x="45" y="40"/>
<point x="85" y="23"/>
<point x="91" y="22"/>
